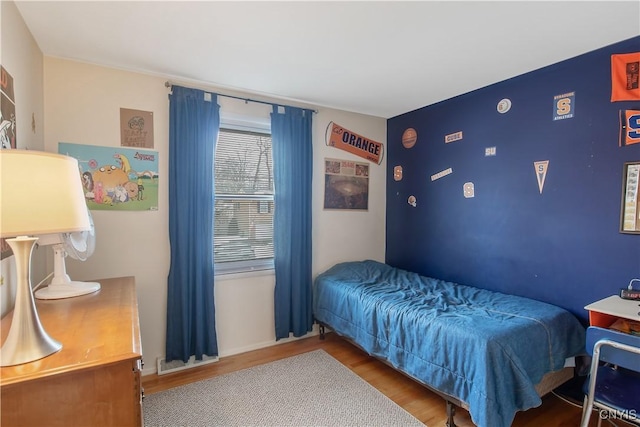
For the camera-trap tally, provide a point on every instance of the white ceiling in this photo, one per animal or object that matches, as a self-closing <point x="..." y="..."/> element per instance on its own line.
<point x="372" y="57"/>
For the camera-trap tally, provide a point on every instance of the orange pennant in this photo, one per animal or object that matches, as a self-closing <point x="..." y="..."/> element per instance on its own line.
<point x="359" y="145"/>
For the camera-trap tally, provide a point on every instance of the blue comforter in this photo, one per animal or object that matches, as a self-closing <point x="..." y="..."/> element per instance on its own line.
<point x="486" y="349"/>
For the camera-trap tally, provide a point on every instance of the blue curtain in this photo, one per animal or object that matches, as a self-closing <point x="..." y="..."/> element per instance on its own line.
<point x="292" y="173"/>
<point x="193" y="130"/>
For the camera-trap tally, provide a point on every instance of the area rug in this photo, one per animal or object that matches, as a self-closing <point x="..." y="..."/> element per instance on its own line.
<point x="310" y="389"/>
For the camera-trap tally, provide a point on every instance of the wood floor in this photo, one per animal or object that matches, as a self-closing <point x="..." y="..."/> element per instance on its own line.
<point x="420" y="402"/>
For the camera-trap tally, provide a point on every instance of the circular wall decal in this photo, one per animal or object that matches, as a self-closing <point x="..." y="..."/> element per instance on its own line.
<point x="504" y="105"/>
<point x="409" y="137"/>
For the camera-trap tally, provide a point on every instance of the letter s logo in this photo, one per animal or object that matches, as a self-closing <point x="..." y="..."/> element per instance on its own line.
<point x="563" y="106"/>
<point x="633" y="127"/>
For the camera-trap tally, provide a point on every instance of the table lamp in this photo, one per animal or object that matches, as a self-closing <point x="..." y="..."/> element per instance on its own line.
<point x="40" y="193"/>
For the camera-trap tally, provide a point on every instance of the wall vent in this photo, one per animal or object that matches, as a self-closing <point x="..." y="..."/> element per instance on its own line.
<point x="165" y="367"/>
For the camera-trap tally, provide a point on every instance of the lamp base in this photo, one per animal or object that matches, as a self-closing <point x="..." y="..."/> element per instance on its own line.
<point x="27" y="340"/>
<point x="37" y="347"/>
<point x="67" y="290"/>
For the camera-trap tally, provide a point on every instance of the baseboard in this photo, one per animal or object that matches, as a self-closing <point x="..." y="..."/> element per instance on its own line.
<point x="175" y="366"/>
<point x="163" y="367"/>
<point x="265" y="344"/>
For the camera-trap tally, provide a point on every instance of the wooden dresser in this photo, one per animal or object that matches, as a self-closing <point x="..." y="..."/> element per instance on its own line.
<point x="95" y="379"/>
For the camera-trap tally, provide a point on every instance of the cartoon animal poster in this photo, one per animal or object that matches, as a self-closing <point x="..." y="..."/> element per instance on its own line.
<point x="116" y="178"/>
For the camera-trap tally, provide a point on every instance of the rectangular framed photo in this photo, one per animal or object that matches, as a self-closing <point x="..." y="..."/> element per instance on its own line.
<point x="630" y="210"/>
<point x="346" y="185"/>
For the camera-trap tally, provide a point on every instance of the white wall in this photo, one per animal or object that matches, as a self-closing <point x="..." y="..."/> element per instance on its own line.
<point x="82" y="105"/>
<point x="21" y="57"/>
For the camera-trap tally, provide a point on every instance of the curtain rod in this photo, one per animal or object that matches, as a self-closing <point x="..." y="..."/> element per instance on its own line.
<point x="169" y="85"/>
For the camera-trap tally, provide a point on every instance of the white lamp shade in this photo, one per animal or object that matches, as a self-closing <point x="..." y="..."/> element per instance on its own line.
<point x="40" y="193"/>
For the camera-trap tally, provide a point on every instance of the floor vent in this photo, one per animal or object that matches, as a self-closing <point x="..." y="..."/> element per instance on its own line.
<point x="165" y="367"/>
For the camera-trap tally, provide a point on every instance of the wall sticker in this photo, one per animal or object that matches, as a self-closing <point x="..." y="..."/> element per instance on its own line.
<point x="541" y="172"/>
<point x="504" y="105"/>
<point x="397" y="173"/>
<point x="468" y="190"/>
<point x="564" y="106"/>
<point x="409" y="138"/>
<point x="441" y="174"/>
<point x="452" y="137"/>
<point x="412" y="201"/>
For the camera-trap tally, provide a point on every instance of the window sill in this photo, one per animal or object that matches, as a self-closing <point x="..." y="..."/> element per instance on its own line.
<point x="245" y="274"/>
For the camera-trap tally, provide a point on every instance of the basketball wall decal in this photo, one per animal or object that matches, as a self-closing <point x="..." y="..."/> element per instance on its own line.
<point x="409" y="137"/>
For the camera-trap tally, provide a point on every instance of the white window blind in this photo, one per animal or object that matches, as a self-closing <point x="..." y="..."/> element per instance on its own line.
<point x="243" y="221"/>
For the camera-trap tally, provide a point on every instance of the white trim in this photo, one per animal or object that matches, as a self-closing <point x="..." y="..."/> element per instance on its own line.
<point x="163" y="367"/>
<point x="238" y="350"/>
<point x="238" y="273"/>
<point x="236" y="121"/>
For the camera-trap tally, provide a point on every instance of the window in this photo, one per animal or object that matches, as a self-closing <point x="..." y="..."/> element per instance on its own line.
<point x="243" y="218"/>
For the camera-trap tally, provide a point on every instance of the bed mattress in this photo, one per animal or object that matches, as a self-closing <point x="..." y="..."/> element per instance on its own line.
<point x="484" y="348"/>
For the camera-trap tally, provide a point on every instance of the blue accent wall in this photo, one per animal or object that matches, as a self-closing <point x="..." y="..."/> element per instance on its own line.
<point x="562" y="246"/>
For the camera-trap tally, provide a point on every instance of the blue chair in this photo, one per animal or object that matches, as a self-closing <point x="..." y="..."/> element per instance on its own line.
<point x="613" y="385"/>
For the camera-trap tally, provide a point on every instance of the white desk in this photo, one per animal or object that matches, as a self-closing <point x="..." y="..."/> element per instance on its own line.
<point x="604" y="312"/>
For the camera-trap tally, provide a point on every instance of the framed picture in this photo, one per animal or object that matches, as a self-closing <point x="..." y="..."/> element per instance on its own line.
<point x="630" y="211"/>
<point x="346" y="185"/>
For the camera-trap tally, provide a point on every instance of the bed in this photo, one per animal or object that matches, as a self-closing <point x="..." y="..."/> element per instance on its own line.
<point x="491" y="353"/>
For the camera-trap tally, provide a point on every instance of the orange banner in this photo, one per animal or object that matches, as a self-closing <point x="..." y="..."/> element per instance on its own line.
<point x="344" y="139"/>
<point x="625" y="77"/>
